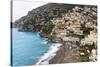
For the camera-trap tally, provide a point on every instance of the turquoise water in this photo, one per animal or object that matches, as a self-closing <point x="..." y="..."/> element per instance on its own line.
<point x="27" y="48"/>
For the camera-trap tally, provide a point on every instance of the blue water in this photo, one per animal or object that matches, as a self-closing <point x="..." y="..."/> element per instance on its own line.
<point x="28" y="47"/>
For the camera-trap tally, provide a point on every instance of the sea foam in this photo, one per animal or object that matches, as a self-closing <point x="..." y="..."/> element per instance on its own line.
<point x="50" y="54"/>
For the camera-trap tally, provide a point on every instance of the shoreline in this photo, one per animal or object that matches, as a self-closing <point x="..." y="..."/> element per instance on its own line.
<point x="45" y="59"/>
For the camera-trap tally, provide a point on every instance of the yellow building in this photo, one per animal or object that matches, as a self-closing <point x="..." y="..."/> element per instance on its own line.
<point x="75" y="24"/>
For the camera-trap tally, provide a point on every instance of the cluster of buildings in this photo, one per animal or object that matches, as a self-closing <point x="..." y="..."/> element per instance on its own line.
<point x="70" y="27"/>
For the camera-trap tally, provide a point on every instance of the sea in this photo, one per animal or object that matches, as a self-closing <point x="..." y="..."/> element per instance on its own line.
<point x="27" y="48"/>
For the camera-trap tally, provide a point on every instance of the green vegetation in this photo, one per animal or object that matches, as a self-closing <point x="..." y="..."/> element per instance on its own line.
<point x="48" y="27"/>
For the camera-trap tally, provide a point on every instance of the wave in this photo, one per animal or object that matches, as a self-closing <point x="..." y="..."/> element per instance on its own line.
<point x="50" y="54"/>
<point x="45" y="42"/>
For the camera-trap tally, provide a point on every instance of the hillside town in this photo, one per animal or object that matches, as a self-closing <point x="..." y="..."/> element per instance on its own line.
<point x="79" y="27"/>
<point x="73" y="26"/>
